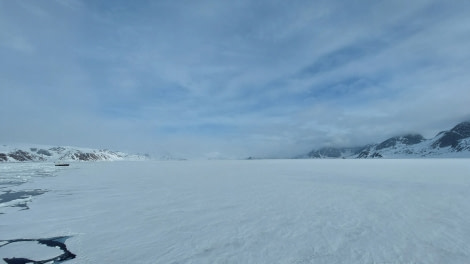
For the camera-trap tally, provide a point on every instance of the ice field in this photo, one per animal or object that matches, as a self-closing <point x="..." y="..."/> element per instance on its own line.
<point x="241" y="211"/>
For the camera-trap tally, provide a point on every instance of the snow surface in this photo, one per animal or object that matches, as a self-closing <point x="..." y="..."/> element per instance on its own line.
<point x="251" y="211"/>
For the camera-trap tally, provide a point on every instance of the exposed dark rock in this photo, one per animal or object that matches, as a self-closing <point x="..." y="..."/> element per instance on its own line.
<point x="82" y="156"/>
<point x="387" y="143"/>
<point x="463" y="146"/>
<point x="3" y="157"/>
<point x="452" y="137"/>
<point x="448" y="139"/>
<point x="409" y="139"/>
<point x="21" y="155"/>
<point x="463" y="129"/>
<point x="86" y="156"/>
<point x="364" y="154"/>
<point x="376" y="155"/>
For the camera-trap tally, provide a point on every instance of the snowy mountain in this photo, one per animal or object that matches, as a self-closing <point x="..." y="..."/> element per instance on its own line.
<point x="451" y="143"/>
<point x="330" y="152"/>
<point x="22" y="153"/>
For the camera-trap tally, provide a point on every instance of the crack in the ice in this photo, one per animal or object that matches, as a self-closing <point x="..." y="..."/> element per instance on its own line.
<point x="21" y="197"/>
<point x="57" y="242"/>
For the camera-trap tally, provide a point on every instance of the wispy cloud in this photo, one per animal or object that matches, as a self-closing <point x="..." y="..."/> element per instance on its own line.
<point x="235" y="78"/>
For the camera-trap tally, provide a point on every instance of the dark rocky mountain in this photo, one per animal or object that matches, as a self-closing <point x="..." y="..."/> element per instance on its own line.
<point x="3" y="157"/>
<point x="409" y="139"/>
<point x="453" y="136"/>
<point x="21" y="155"/>
<point x="452" y="143"/>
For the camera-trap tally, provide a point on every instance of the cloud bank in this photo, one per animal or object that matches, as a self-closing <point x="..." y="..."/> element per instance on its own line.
<point x="230" y="79"/>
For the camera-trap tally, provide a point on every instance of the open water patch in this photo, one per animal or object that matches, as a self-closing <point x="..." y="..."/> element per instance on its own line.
<point x="36" y="251"/>
<point x="19" y="198"/>
<point x="13" y="193"/>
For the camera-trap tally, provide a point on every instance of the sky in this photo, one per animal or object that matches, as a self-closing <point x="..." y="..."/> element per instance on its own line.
<point x="230" y="79"/>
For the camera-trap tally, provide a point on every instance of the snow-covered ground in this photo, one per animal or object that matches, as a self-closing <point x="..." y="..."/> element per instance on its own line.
<point x="251" y="211"/>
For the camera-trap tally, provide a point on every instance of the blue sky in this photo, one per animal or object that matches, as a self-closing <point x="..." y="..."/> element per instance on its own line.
<point x="231" y="78"/>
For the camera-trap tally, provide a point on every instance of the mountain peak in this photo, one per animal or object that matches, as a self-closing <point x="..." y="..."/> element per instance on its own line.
<point x="463" y="129"/>
<point x="453" y="136"/>
<point x="408" y="139"/>
<point x="53" y="154"/>
<point x="449" y="143"/>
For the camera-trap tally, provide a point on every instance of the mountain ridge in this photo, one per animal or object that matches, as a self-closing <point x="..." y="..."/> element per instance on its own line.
<point x="449" y="143"/>
<point x="43" y="153"/>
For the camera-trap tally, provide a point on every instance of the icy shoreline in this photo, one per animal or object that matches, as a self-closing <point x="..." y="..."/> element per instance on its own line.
<point x="257" y="211"/>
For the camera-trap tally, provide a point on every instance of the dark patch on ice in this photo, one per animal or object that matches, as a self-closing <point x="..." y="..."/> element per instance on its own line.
<point x="56" y="242"/>
<point x="9" y="196"/>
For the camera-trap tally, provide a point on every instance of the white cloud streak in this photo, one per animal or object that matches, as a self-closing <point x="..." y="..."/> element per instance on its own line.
<point x="266" y="78"/>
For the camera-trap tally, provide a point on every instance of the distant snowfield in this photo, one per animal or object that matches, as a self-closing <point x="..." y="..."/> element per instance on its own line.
<point x="251" y="211"/>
